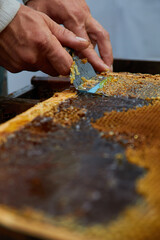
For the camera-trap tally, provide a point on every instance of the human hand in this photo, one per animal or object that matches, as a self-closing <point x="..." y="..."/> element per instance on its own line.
<point x="32" y="41"/>
<point x="75" y="16"/>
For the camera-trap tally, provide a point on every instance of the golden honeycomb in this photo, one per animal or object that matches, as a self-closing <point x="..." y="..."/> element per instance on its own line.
<point x="66" y="117"/>
<point x="144" y="86"/>
<point x="141" y="128"/>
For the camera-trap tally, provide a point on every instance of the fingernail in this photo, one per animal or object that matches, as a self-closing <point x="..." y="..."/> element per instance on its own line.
<point x="82" y="39"/>
<point x="106" y="67"/>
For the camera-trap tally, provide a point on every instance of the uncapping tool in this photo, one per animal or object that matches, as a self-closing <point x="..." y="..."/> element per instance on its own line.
<point x="84" y="76"/>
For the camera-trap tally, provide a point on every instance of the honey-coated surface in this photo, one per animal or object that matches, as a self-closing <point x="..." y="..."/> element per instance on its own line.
<point x="64" y="168"/>
<point x="78" y="165"/>
<point x="141" y="129"/>
<point x="143" y="86"/>
<point x="21" y="120"/>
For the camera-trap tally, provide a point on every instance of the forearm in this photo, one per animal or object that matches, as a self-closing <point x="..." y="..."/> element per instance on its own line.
<point x="8" y="10"/>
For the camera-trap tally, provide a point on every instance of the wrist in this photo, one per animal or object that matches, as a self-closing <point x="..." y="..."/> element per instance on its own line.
<point x="8" y="10"/>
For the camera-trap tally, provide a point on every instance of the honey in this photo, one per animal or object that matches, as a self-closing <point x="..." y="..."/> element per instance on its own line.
<point x="59" y="156"/>
<point x="142" y="86"/>
<point x="141" y="127"/>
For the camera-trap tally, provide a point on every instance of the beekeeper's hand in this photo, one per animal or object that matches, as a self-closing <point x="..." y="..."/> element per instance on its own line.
<point x="75" y="16"/>
<point x="32" y="41"/>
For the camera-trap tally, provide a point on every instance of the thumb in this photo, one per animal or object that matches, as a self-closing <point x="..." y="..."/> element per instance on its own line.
<point x="66" y="37"/>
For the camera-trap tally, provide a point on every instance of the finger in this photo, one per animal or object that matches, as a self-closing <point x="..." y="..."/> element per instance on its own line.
<point x="94" y="59"/>
<point x="98" y="34"/>
<point x="43" y="66"/>
<point x="66" y="37"/>
<point x="56" y="55"/>
<point x="29" y="65"/>
<point x="90" y="53"/>
<point x="49" y="70"/>
<point x="93" y="42"/>
<point x="10" y="67"/>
